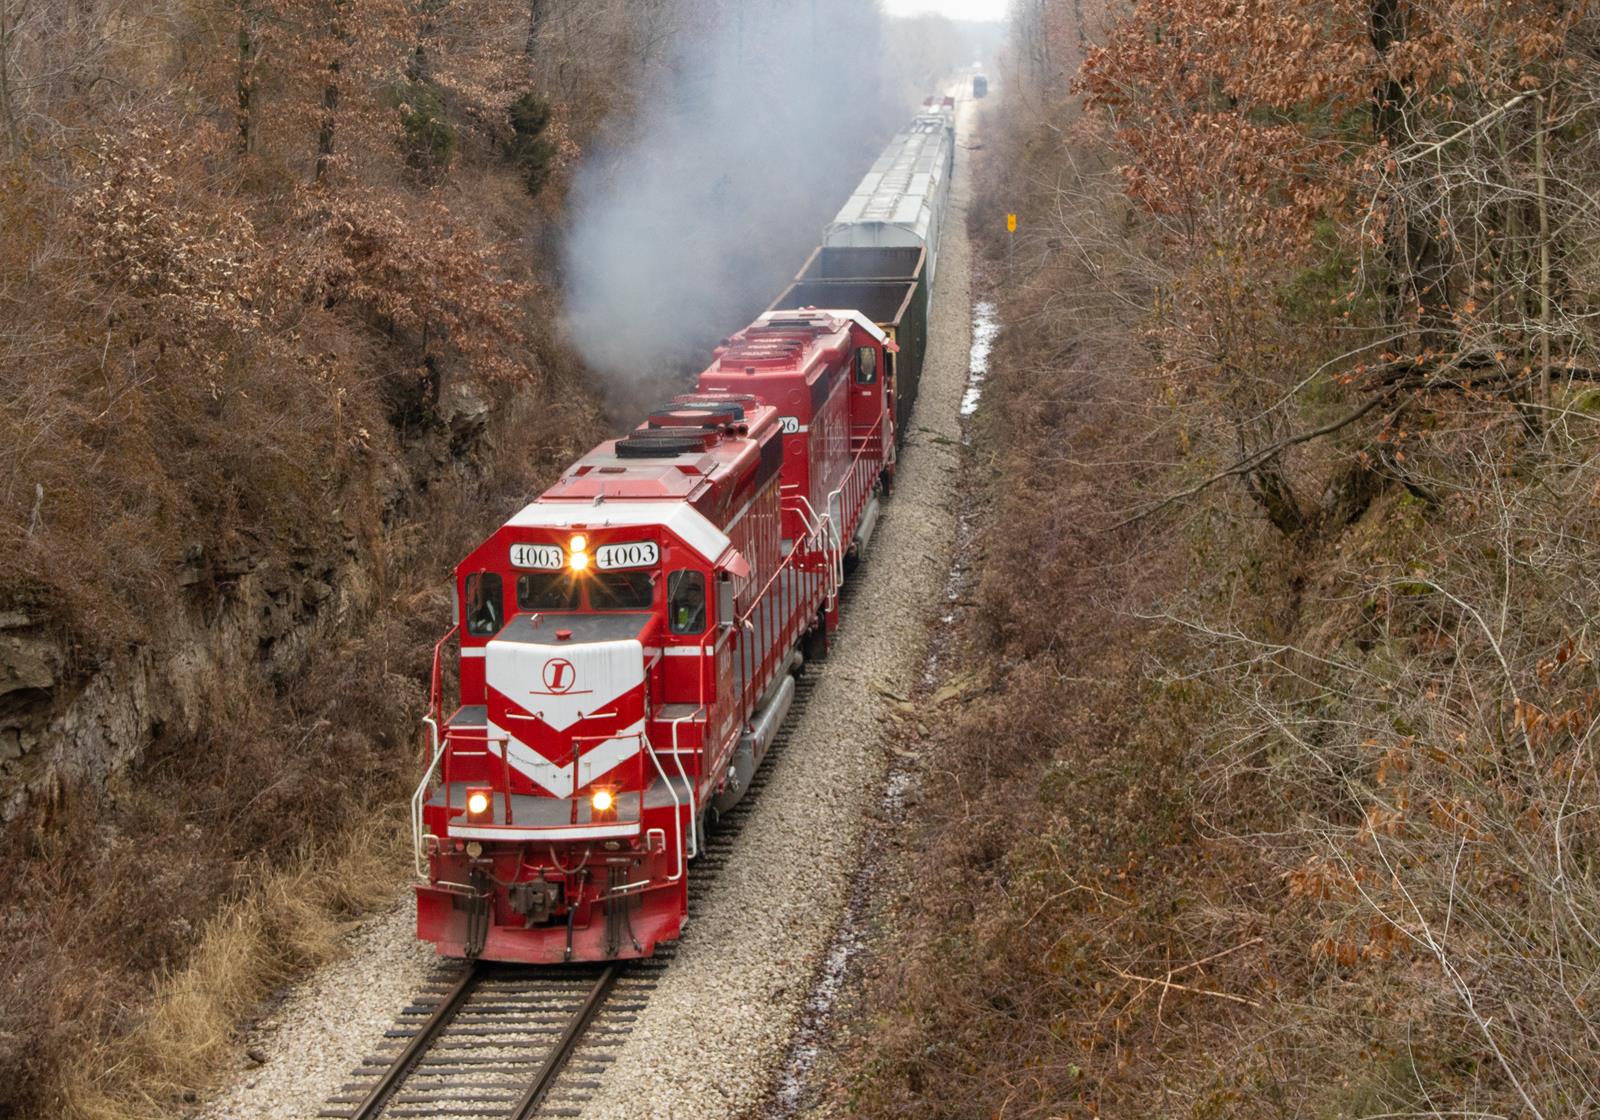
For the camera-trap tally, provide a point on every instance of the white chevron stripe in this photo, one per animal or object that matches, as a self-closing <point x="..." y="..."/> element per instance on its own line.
<point x="592" y="764"/>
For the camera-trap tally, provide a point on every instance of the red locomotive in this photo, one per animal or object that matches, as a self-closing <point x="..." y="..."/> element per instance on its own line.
<point x="628" y="643"/>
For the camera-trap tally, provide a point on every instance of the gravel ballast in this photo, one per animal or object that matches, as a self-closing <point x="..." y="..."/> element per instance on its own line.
<point x="717" y="1028"/>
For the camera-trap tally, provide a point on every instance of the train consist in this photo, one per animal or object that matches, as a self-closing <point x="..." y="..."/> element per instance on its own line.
<point x="628" y="641"/>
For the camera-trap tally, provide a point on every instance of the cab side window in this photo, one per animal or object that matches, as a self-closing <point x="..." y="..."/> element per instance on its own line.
<point x="866" y="365"/>
<point x="485" y="604"/>
<point x="686" y="601"/>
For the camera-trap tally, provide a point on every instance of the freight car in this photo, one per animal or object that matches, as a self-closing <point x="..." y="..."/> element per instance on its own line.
<point x="888" y="285"/>
<point x="901" y="201"/>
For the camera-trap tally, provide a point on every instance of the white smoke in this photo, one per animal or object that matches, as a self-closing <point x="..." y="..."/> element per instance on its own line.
<point x="756" y="125"/>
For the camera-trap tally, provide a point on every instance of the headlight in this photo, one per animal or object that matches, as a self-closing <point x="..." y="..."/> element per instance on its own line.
<point x="478" y="803"/>
<point x="578" y="561"/>
<point x="602" y="801"/>
<point x="580" y="543"/>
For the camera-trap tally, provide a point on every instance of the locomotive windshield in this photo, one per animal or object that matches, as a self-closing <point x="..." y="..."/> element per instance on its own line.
<point x="621" y="591"/>
<point x="547" y="591"/>
<point x="566" y="591"/>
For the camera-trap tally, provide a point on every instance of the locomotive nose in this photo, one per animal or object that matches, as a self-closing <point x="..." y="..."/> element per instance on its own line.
<point x="567" y="700"/>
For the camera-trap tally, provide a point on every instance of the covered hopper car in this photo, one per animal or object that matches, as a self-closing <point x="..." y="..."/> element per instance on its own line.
<point x="901" y="201"/>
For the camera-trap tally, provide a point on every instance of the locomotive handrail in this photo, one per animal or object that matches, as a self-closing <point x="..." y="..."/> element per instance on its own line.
<point x="418" y="856"/>
<point x="777" y="573"/>
<point x="435" y="748"/>
<point x="436" y="689"/>
<point x="819" y="525"/>
<point x="677" y="754"/>
<point x="677" y="806"/>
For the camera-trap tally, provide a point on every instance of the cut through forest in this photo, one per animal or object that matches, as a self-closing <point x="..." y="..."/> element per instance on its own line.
<point x="287" y="324"/>
<point x="1285" y="482"/>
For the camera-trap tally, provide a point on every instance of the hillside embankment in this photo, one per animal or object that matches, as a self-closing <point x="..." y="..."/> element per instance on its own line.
<point x="1277" y="793"/>
<point x="265" y="378"/>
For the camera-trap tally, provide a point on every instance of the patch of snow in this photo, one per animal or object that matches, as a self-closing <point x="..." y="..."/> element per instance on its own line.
<point x="985" y="326"/>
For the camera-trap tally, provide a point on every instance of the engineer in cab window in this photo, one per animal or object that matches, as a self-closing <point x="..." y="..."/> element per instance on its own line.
<point x="483" y="604"/>
<point x="866" y="365"/>
<point x="686" y="601"/>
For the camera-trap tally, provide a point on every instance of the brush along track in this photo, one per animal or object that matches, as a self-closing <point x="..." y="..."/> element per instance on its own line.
<point x="499" y="1041"/>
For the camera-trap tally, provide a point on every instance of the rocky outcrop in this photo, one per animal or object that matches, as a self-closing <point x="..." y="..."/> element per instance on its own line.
<point x="250" y="611"/>
<point x="32" y="663"/>
<point x="64" y="726"/>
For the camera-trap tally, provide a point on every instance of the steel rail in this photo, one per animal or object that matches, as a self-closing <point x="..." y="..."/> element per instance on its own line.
<point x="392" y="1078"/>
<point x="556" y="1060"/>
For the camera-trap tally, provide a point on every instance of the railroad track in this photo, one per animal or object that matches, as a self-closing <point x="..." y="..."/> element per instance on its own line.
<point x="497" y="1043"/>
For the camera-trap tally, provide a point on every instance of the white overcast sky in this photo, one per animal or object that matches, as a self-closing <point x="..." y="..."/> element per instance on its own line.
<point x="955" y="9"/>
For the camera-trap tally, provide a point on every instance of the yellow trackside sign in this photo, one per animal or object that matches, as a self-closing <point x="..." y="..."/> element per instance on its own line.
<point x="1011" y="223"/>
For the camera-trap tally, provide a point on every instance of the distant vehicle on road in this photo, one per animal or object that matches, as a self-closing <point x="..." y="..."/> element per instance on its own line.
<point x="980" y="86"/>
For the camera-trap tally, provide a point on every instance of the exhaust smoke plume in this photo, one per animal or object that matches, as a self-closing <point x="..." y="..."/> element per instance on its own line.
<point x="761" y="116"/>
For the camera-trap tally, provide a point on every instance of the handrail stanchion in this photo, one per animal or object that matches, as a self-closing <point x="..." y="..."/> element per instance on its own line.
<point x="436" y="751"/>
<point x="418" y="798"/>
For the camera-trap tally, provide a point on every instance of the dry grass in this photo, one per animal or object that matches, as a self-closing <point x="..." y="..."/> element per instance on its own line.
<point x="290" y="918"/>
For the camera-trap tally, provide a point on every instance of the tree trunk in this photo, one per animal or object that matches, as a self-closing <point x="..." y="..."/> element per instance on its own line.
<point x="1276" y="498"/>
<point x="1417" y="257"/>
<point x="246" y="88"/>
<point x="8" y="110"/>
<point x="530" y="45"/>
<point x="330" y="94"/>
<point x="420" y="68"/>
<point x="1544" y="258"/>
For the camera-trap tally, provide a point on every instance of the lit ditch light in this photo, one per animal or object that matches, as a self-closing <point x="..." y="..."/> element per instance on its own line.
<point x="478" y="803"/>
<point x="603" y="804"/>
